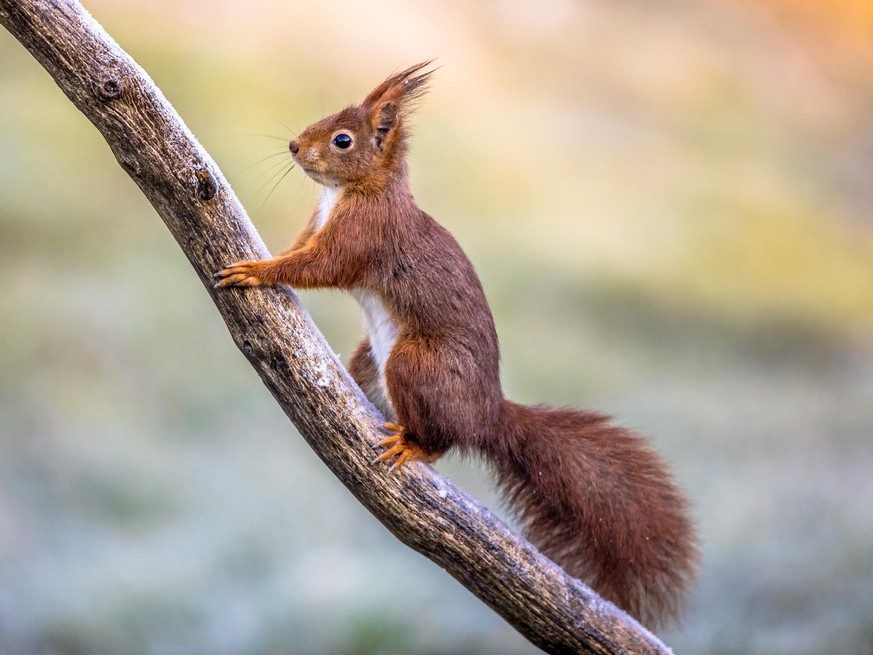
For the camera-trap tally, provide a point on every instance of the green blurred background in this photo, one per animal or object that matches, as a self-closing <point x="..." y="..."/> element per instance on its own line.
<point x="670" y="206"/>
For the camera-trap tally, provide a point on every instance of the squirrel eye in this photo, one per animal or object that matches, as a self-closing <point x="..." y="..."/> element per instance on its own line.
<point x="342" y="141"/>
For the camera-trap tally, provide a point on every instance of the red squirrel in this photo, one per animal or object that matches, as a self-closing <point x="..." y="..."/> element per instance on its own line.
<point x="591" y="495"/>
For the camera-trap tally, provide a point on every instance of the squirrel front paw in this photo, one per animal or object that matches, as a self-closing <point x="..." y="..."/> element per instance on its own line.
<point x="240" y="274"/>
<point x="400" y="448"/>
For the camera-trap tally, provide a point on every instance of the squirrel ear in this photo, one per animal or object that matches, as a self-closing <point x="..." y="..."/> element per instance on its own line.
<point x="385" y="121"/>
<point x="390" y="102"/>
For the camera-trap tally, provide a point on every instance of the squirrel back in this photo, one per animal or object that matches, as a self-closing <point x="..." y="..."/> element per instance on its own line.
<point x="592" y="496"/>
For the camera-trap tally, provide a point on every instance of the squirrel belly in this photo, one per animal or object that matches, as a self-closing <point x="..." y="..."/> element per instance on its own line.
<point x="381" y="334"/>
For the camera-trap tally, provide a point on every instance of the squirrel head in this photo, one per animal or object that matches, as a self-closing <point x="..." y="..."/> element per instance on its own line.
<point x="365" y="144"/>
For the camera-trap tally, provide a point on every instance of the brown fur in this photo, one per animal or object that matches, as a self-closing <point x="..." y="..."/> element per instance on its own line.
<point x="593" y="496"/>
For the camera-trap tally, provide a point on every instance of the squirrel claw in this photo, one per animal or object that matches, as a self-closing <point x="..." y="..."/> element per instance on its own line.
<point x="398" y="451"/>
<point x="399" y="448"/>
<point x="240" y="274"/>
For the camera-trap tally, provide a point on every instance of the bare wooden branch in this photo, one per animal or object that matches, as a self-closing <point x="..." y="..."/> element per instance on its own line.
<point x="422" y="508"/>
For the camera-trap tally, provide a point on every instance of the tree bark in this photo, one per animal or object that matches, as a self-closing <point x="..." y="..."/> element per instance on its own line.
<point x="423" y="509"/>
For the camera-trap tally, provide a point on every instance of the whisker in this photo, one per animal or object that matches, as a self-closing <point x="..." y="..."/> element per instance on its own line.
<point x="282" y="123"/>
<point x="265" y="159"/>
<point x="279" y="181"/>
<point x="276" y="169"/>
<point x="281" y="174"/>
<point x="269" y="179"/>
<point x="270" y="136"/>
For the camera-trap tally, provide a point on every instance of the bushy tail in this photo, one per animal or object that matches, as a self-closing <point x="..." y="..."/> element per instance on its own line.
<point x="600" y="502"/>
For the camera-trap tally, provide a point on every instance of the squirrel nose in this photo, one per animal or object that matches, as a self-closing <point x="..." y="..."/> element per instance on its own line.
<point x="294" y="147"/>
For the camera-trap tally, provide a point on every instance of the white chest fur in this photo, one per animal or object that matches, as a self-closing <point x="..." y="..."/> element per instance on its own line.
<point x="328" y="200"/>
<point x="381" y="329"/>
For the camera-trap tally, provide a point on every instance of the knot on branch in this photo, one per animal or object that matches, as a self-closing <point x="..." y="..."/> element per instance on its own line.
<point x="109" y="88"/>
<point x="129" y="163"/>
<point x="206" y="185"/>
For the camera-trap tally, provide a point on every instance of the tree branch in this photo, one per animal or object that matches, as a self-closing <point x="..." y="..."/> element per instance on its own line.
<point x="422" y="508"/>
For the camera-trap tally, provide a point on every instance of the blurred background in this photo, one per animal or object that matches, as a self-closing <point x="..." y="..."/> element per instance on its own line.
<point x="671" y="209"/>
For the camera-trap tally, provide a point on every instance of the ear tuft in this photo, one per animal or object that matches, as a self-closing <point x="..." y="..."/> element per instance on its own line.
<point x="403" y="88"/>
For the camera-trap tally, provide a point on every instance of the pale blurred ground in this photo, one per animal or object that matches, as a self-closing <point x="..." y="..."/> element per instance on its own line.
<point x="671" y="208"/>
